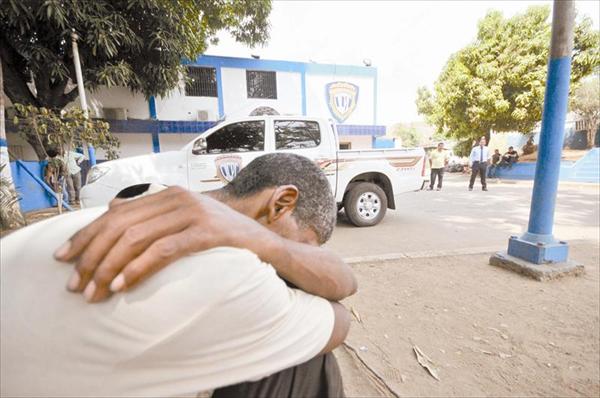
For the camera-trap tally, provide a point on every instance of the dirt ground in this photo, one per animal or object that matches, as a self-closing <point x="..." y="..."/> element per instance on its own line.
<point x="488" y="331"/>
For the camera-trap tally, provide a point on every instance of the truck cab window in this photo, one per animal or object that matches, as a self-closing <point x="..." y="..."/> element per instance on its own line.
<point x="297" y="134"/>
<point x="238" y="137"/>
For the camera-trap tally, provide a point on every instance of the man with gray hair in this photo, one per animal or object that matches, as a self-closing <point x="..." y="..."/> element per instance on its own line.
<point x="210" y="320"/>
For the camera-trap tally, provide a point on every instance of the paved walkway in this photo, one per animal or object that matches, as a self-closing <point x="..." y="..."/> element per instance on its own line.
<point x="456" y="219"/>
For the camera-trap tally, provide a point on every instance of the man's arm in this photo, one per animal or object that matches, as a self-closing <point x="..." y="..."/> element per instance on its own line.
<point x="341" y="326"/>
<point x="136" y="239"/>
<point x="79" y="157"/>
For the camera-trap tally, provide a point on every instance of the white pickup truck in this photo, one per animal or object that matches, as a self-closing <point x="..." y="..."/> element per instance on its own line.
<point x="364" y="182"/>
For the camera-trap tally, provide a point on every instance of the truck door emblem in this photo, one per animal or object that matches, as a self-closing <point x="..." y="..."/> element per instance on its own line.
<point x="341" y="99"/>
<point x="228" y="167"/>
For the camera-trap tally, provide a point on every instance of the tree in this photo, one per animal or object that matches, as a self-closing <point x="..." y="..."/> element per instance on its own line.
<point x="409" y="135"/>
<point x="137" y="44"/>
<point x="585" y="102"/>
<point x="498" y="81"/>
<point x="63" y="131"/>
<point x="67" y="129"/>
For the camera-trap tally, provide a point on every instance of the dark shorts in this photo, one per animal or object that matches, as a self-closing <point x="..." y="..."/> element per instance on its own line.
<point x="318" y="378"/>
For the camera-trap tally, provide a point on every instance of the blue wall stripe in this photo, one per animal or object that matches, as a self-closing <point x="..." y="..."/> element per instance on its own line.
<point x="158" y="127"/>
<point x="3" y="142"/>
<point x="281" y="66"/>
<point x="192" y="127"/>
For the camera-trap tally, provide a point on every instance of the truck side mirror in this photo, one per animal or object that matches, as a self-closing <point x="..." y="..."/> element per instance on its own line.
<point x="199" y="147"/>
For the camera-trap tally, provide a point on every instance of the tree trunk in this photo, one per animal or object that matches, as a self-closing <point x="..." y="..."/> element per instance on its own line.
<point x="592" y="132"/>
<point x="34" y="141"/>
<point x="49" y="94"/>
<point x="10" y="212"/>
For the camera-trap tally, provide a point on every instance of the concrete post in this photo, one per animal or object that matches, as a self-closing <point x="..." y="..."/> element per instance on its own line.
<point x="537" y="253"/>
<point x="81" y="89"/>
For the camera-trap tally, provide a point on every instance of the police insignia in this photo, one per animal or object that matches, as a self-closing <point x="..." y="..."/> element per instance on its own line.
<point x="341" y="99"/>
<point x="228" y="167"/>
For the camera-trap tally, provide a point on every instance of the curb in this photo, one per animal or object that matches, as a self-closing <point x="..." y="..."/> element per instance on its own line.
<point x="421" y="254"/>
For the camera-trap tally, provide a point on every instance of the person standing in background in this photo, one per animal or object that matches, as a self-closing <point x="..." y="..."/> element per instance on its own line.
<point x="509" y="158"/>
<point x="438" y="159"/>
<point x="495" y="163"/>
<point x="479" y="159"/>
<point x="55" y="170"/>
<point x="73" y="160"/>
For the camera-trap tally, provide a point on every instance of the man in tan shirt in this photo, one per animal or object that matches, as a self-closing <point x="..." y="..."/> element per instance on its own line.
<point x="438" y="159"/>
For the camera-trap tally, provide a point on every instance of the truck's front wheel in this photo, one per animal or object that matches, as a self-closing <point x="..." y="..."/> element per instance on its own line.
<point x="365" y="204"/>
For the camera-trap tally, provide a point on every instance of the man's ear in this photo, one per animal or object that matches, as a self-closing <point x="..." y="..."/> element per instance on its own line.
<point x="283" y="200"/>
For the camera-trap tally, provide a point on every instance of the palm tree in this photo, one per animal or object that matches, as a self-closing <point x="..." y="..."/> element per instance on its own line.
<point x="10" y="212"/>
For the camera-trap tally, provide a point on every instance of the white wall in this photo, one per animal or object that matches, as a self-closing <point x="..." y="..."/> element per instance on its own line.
<point x="176" y="106"/>
<point x="116" y="97"/>
<point x="132" y="144"/>
<point x="357" y="141"/>
<point x="316" y="100"/>
<point x="20" y="148"/>
<point x="235" y="96"/>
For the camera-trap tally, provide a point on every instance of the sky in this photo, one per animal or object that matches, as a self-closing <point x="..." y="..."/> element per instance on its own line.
<point x="408" y="42"/>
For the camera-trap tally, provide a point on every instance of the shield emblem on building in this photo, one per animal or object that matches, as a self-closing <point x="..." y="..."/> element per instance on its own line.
<point x="228" y="167"/>
<point x="341" y="99"/>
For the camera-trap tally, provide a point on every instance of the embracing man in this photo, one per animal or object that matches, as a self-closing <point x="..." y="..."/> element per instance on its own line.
<point x="212" y="319"/>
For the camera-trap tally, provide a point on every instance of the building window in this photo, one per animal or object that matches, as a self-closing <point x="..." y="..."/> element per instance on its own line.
<point x="238" y="137"/>
<point x="261" y="84"/>
<point x="201" y="82"/>
<point x="296" y="134"/>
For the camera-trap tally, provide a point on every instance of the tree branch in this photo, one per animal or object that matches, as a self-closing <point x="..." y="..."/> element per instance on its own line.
<point x="15" y="83"/>
<point x="68" y="97"/>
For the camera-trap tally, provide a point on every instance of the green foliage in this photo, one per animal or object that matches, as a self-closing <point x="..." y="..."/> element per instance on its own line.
<point x="498" y="81"/>
<point x="585" y="101"/>
<point x="67" y="129"/>
<point x="463" y="148"/>
<point x="133" y="43"/>
<point x="409" y="135"/>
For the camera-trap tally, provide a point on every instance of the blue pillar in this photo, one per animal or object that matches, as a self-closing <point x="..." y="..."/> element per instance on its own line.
<point x="303" y="89"/>
<point x="154" y="116"/>
<point x="92" y="155"/>
<point x="220" y="99"/>
<point x="538" y="244"/>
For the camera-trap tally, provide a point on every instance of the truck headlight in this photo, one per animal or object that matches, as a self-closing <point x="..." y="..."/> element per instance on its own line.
<point x="96" y="173"/>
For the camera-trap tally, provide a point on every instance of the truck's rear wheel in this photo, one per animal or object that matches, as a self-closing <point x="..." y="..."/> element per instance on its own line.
<point x="365" y="204"/>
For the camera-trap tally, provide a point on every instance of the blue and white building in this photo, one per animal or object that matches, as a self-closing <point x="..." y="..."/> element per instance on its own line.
<point x="225" y="87"/>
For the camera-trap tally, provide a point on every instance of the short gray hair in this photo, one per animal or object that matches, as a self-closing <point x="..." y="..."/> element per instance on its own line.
<point x="316" y="208"/>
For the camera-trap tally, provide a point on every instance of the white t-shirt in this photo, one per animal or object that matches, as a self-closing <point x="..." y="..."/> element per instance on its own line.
<point x="212" y="319"/>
